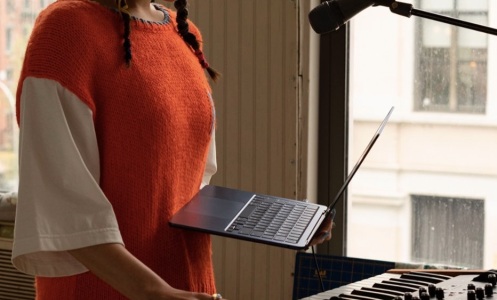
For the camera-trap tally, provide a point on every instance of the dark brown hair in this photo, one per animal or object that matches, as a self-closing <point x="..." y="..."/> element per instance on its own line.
<point x="183" y="31"/>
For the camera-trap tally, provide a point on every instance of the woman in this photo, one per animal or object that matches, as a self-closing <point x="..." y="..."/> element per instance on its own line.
<point x="117" y="134"/>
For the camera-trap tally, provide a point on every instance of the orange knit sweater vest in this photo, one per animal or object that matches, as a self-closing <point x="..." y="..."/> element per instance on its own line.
<point x="153" y="122"/>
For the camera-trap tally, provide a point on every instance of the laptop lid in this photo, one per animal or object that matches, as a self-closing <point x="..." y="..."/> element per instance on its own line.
<point x="216" y="209"/>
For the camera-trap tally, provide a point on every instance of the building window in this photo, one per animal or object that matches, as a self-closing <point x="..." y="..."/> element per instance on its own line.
<point x="8" y="39"/>
<point x="452" y="67"/>
<point x="447" y="231"/>
<point x="11" y="6"/>
<point x="9" y="74"/>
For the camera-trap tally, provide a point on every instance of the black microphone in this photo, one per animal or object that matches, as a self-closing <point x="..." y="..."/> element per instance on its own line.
<point x="330" y="15"/>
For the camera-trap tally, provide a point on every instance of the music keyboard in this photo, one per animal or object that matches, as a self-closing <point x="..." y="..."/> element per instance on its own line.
<point x="411" y="286"/>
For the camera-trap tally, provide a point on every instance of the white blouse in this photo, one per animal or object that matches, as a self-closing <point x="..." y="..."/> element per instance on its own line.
<point x="61" y="205"/>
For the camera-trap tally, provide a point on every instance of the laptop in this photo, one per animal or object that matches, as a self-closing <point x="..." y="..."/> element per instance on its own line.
<point x="261" y="218"/>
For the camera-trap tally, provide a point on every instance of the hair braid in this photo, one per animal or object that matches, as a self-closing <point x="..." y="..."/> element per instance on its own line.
<point x="122" y="6"/>
<point x="190" y="38"/>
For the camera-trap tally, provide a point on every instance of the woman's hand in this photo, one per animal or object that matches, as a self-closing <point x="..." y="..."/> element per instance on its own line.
<point x="175" y="294"/>
<point x="120" y="269"/>
<point x="323" y="234"/>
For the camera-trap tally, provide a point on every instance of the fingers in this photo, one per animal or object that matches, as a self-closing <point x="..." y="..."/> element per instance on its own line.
<point x="324" y="233"/>
<point x="320" y="238"/>
<point x="202" y="296"/>
<point x="184" y="295"/>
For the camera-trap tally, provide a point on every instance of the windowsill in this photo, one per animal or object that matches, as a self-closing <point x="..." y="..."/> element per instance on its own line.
<point x="436" y="118"/>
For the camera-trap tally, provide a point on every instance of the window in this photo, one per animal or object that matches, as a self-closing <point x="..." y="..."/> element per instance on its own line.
<point x="452" y="69"/>
<point x="430" y="152"/>
<point x="447" y="231"/>
<point x="17" y="27"/>
<point x="11" y="6"/>
<point x="8" y="39"/>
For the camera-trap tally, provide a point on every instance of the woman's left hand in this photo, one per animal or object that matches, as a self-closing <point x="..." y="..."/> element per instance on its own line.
<point x="323" y="234"/>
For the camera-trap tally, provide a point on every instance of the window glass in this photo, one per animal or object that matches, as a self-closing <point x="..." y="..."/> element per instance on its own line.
<point x="438" y="223"/>
<point x="430" y="178"/>
<point x="436" y="35"/>
<point x="16" y="21"/>
<point x="437" y="5"/>
<point x="471" y="39"/>
<point x="469" y="5"/>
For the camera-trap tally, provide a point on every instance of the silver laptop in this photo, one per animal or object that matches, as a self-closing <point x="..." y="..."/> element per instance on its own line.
<point x="261" y="218"/>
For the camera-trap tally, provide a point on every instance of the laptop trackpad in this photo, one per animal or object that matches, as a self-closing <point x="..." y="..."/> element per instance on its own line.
<point x="215" y="207"/>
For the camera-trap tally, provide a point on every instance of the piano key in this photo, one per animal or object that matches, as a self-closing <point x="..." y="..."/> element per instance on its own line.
<point x="376" y="294"/>
<point x="347" y="289"/>
<point x="440" y="276"/>
<point x="394" y="287"/>
<point x="421" y="277"/>
<point x="383" y="290"/>
<point x="351" y="297"/>
<point x="410" y="281"/>
<point x="401" y="283"/>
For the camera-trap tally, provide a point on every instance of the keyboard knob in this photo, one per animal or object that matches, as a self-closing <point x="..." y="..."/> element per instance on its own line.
<point x="480" y="294"/>
<point x="425" y="296"/>
<point x="407" y="296"/>
<point x="421" y="291"/>
<point x="439" y="293"/>
<point x="492" y="279"/>
<point x="471" y="286"/>
<point x="471" y="295"/>
<point x="489" y="290"/>
<point x="431" y="290"/>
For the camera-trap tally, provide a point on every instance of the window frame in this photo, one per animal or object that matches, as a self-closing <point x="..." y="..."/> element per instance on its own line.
<point x="454" y="103"/>
<point x="333" y="131"/>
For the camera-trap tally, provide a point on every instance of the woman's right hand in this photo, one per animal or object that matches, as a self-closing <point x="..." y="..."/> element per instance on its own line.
<point x="120" y="269"/>
<point x="175" y="294"/>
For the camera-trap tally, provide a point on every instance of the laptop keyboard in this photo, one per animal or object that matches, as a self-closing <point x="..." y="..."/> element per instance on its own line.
<point x="274" y="219"/>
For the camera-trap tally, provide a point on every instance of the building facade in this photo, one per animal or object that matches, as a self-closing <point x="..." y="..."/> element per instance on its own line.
<point x="427" y="192"/>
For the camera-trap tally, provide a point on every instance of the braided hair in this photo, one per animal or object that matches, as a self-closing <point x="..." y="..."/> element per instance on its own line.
<point x="183" y="31"/>
<point x="122" y="6"/>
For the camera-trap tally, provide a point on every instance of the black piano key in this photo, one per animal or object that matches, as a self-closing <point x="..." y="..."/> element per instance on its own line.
<point x="439" y="276"/>
<point x="353" y="297"/>
<point x="373" y="294"/>
<point x="421" y="277"/>
<point x="403" y="284"/>
<point x="394" y="287"/>
<point x="411" y="281"/>
<point x="381" y="290"/>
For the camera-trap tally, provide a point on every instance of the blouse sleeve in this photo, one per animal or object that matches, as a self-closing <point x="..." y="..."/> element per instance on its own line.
<point x="61" y="205"/>
<point x="211" y="164"/>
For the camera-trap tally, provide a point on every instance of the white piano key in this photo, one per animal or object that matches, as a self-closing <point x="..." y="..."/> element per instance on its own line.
<point x="347" y="289"/>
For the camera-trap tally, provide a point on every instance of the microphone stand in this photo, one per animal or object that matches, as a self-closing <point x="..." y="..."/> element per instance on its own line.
<point x="406" y="10"/>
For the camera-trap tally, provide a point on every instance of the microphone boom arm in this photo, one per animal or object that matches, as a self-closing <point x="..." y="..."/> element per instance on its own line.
<point x="406" y="10"/>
